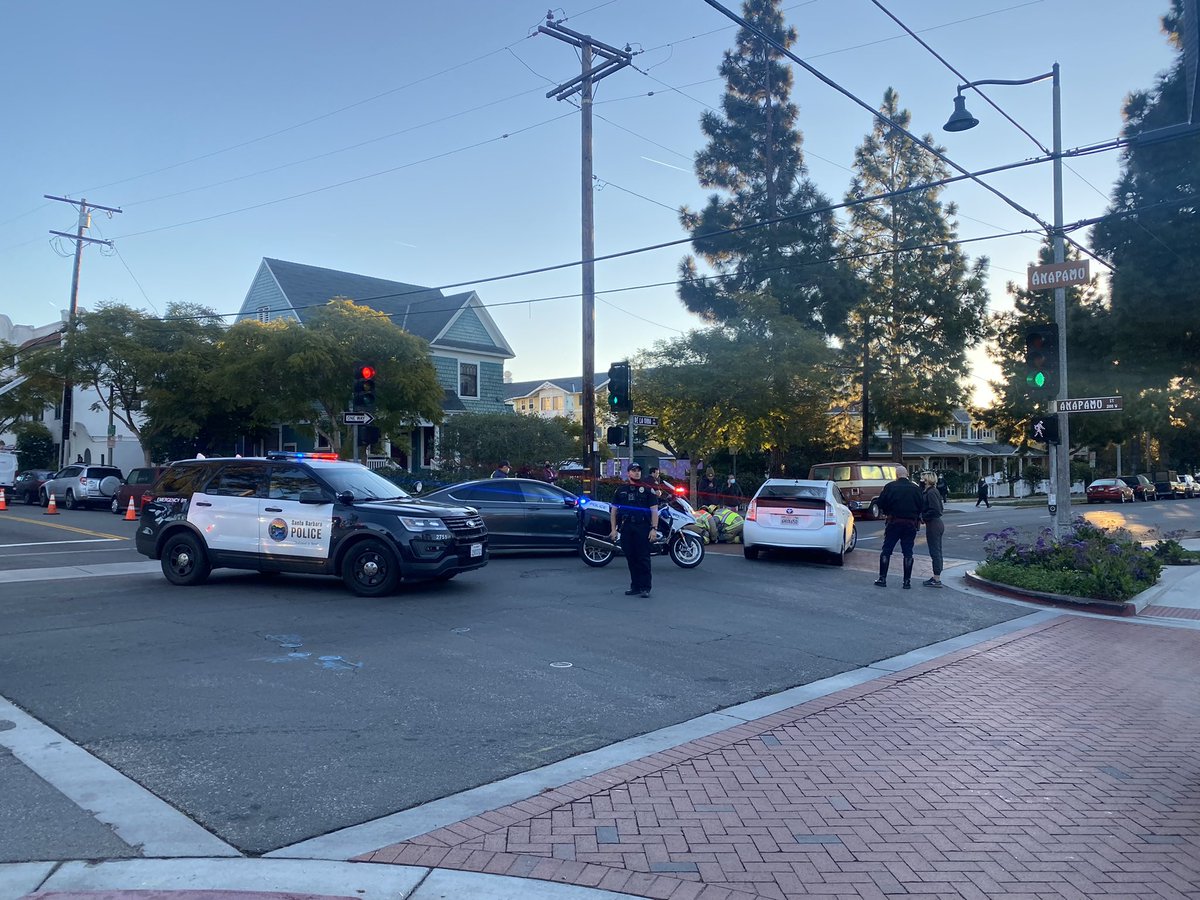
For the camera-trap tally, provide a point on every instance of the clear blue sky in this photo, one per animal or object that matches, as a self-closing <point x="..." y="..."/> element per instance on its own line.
<point x="164" y="110"/>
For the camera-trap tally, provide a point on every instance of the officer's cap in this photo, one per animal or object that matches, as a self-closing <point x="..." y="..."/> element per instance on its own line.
<point x="634" y="465"/>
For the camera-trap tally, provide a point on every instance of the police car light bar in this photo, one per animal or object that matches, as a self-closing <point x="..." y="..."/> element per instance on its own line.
<point x="295" y="454"/>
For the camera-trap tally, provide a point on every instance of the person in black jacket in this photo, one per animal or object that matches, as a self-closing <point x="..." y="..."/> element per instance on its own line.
<point x="935" y="528"/>
<point x="635" y="510"/>
<point x="901" y="501"/>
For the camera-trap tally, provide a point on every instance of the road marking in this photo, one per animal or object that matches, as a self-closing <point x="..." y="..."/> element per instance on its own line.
<point x="57" y="543"/>
<point x="969" y="524"/>
<point x="99" y="534"/>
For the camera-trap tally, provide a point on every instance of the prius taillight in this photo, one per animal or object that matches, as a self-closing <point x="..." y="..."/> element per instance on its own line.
<point x="752" y="512"/>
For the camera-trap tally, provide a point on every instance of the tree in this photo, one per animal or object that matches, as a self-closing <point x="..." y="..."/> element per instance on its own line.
<point x="1152" y="232"/>
<point x="476" y="442"/>
<point x="121" y="354"/>
<point x="305" y="373"/>
<point x="34" y="390"/>
<point x="754" y="159"/>
<point x="35" y="446"/>
<point x="923" y="306"/>
<point x="758" y="383"/>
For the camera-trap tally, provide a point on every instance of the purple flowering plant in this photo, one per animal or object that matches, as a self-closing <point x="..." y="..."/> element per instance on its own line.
<point x="1091" y="561"/>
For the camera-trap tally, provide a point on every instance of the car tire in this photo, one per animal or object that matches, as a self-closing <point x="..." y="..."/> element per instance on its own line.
<point x="853" y="538"/>
<point x="185" y="561"/>
<point x="43" y="498"/>
<point x="749" y="552"/>
<point x="873" y="510"/>
<point x="370" y="569"/>
<point x="687" y="550"/>
<point x="29" y="498"/>
<point x="69" y="501"/>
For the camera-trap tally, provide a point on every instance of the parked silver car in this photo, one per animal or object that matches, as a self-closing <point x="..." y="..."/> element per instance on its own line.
<point x="82" y="484"/>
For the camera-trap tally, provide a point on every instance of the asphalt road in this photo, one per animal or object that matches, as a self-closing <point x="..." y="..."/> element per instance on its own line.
<point x="273" y="710"/>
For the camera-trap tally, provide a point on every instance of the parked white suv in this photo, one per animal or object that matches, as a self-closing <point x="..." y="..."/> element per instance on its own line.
<point x="82" y="484"/>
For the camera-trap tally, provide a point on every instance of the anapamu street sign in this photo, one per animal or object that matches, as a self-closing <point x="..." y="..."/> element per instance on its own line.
<point x="1089" y="404"/>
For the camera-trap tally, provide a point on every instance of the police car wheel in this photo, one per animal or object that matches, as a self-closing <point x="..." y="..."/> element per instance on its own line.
<point x="370" y="569"/>
<point x="184" y="561"/>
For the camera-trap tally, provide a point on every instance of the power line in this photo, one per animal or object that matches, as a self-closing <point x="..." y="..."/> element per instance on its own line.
<point x="929" y="148"/>
<point x="347" y="181"/>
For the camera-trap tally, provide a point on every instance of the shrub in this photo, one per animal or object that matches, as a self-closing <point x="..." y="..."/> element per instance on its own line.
<point x="1171" y="553"/>
<point x="1098" y="563"/>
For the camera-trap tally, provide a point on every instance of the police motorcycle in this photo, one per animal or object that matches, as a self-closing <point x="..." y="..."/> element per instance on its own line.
<point x="676" y="539"/>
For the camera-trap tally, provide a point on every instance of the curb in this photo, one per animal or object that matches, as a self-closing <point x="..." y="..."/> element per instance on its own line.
<point x="1088" y="604"/>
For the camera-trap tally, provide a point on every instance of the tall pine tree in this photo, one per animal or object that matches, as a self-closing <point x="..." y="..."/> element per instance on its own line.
<point x="755" y="163"/>
<point x="923" y="306"/>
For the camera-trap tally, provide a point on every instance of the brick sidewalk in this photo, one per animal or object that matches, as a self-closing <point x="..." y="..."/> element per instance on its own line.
<point x="1062" y="761"/>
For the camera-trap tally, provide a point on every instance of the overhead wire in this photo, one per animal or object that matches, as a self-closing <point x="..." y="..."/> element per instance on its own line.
<point x="965" y="80"/>
<point x="929" y="148"/>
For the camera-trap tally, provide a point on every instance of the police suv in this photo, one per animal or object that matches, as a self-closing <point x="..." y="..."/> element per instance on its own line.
<point x="303" y="512"/>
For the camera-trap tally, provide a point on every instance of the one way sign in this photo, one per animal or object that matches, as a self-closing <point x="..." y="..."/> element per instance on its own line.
<point x="357" y="418"/>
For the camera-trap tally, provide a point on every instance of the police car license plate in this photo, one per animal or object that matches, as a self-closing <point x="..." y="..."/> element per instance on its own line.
<point x="477" y="549"/>
<point x="789" y="520"/>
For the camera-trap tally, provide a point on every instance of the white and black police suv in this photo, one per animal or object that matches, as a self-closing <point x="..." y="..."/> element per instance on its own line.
<point x="303" y="512"/>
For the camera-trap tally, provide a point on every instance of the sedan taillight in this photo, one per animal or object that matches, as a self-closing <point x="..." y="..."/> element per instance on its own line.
<point x="829" y="517"/>
<point x="752" y="511"/>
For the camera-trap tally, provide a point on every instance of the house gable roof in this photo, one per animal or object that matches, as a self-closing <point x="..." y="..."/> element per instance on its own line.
<point x="570" y="385"/>
<point x="423" y="311"/>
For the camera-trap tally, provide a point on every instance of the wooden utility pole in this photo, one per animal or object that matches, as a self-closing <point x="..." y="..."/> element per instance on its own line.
<point x="85" y="221"/>
<point x="614" y="59"/>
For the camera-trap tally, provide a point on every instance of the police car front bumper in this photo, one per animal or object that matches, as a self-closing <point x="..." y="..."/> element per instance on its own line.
<point x="434" y="558"/>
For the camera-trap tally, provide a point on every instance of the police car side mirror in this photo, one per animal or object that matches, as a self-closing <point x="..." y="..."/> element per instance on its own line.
<point x="345" y="497"/>
<point x="418" y="487"/>
<point x="313" y="497"/>
<point x="570" y="502"/>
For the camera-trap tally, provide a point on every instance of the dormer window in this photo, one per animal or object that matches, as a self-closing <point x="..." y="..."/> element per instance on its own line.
<point x="468" y="380"/>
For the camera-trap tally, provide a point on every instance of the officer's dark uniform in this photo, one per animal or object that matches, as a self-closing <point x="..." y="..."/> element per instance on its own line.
<point x="636" y="505"/>
<point x="902" y="502"/>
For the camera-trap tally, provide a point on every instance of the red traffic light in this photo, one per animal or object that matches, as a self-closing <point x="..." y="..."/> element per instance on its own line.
<point x="366" y="372"/>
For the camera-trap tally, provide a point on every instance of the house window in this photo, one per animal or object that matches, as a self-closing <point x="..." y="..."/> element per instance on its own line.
<point x="264" y="314"/>
<point x="468" y="380"/>
<point x="546" y="404"/>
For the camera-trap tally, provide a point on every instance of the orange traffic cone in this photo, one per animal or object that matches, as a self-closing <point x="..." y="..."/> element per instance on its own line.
<point x="52" y="509"/>
<point x="3" y="502"/>
<point x="130" y="513"/>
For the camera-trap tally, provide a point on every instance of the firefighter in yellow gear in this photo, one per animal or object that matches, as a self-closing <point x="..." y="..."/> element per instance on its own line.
<point x="728" y="522"/>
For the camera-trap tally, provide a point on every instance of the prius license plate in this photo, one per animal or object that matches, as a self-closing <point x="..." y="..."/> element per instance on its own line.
<point x="789" y="520"/>
<point x="477" y="549"/>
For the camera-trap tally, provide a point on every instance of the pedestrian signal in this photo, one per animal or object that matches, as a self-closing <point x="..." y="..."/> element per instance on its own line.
<point x="620" y="388"/>
<point x="1043" y="429"/>
<point x="364" y="386"/>
<point x="617" y="435"/>
<point x="1041" y="360"/>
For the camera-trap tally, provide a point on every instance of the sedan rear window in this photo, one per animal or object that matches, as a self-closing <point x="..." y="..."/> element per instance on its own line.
<point x="804" y="497"/>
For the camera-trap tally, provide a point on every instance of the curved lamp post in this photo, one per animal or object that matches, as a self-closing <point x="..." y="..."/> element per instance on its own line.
<point x="962" y="120"/>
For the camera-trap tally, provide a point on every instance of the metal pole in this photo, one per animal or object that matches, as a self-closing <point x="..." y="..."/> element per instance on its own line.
<point x="590" y="457"/>
<point x="68" y="385"/>
<point x="1062" y="462"/>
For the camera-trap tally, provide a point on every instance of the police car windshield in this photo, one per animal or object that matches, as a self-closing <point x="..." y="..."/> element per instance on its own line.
<point x="361" y="482"/>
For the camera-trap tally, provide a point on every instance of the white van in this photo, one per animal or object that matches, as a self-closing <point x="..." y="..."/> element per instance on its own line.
<point x="8" y="469"/>
<point x="861" y="482"/>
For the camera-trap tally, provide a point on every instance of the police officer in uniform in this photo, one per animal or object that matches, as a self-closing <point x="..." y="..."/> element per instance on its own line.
<point x="902" y="502"/>
<point x="636" y="505"/>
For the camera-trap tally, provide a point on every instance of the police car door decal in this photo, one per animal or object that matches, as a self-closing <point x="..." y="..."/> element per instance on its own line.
<point x="227" y="512"/>
<point x="292" y="528"/>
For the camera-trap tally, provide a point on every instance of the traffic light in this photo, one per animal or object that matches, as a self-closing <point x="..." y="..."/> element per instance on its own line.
<point x="1041" y="360"/>
<point x="369" y="435"/>
<point x="1043" y="429"/>
<point x="620" y="388"/>
<point x="617" y="436"/>
<point x="364" y="386"/>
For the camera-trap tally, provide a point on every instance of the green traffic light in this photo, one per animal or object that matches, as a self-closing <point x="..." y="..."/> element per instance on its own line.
<point x="1036" y="379"/>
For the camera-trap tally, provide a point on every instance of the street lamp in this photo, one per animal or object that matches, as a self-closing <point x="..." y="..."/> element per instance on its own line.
<point x="962" y="120"/>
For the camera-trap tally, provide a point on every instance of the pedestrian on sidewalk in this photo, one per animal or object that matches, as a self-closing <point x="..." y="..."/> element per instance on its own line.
<point x="981" y="493"/>
<point x="935" y="528"/>
<point x="901" y="501"/>
<point x="635" y="508"/>
<point x="502" y="470"/>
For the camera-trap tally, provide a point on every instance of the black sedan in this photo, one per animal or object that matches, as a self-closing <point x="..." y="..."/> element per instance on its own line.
<point x="520" y="513"/>
<point x="27" y="484"/>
